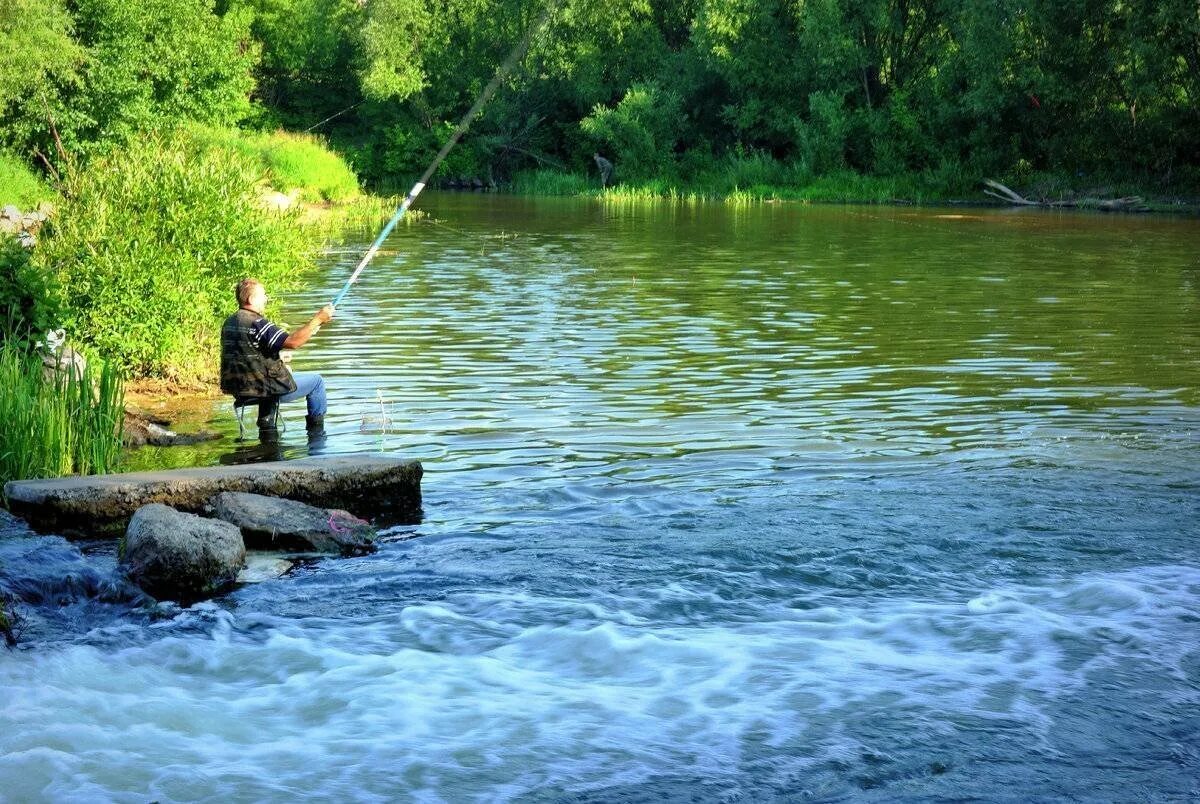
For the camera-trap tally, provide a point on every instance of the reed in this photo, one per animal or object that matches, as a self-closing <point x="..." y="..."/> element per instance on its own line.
<point x="68" y="423"/>
<point x="552" y="182"/>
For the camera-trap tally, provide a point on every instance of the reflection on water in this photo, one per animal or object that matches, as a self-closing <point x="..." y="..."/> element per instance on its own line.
<point x="767" y="503"/>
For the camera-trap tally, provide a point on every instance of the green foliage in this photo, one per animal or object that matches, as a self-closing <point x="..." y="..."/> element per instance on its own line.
<point x="35" y="46"/>
<point x="161" y="60"/>
<point x="640" y="131"/>
<point x="112" y="68"/>
<point x="151" y="239"/>
<point x="289" y="161"/>
<point x="63" y="424"/>
<point x="703" y="93"/>
<point x="39" y="59"/>
<point x="309" y="60"/>
<point x="28" y="307"/>
<point x="19" y="186"/>
<point x="391" y="64"/>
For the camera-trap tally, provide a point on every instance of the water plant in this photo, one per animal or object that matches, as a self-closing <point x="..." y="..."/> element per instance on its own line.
<point x="58" y="422"/>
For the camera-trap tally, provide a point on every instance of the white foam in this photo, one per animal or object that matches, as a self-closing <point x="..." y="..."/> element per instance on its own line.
<point x="474" y="698"/>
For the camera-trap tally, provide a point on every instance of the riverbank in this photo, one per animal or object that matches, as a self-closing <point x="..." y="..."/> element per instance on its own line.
<point x="759" y="181"/>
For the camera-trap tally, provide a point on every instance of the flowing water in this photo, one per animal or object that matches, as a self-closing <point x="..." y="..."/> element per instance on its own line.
<point x="770" y="503"/>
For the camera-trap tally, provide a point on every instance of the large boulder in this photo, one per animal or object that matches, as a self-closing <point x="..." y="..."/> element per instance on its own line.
<point x="180" y="556"/>
<point x="273" y="523"/>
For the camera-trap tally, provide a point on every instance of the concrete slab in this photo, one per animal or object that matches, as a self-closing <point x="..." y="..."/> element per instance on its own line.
<point x="100" y="505"/>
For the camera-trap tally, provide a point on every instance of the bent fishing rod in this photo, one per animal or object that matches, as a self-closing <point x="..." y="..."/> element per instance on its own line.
<point x="463" y="125"/>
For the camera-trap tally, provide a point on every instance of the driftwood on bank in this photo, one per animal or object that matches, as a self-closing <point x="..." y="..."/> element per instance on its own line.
<point x="1129" y="203"/>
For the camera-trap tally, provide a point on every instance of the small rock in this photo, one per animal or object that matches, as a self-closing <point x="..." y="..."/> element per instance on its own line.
<point x="279" y="524"/>
<point x="67" y="361"/>
<point x="181" y="556"/>
<point x="264" y="567"/>
<point x="140" y="430"/>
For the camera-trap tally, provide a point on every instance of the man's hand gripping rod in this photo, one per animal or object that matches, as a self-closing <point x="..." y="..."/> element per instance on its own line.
<point x="463" y="125"/>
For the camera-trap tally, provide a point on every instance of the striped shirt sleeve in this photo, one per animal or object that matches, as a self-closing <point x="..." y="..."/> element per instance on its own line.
<point x="267" y="338"/>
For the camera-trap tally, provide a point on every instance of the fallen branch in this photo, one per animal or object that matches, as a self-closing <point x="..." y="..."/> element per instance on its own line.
<point x="1130" y="203"/>
<point x="1008" y="195"/>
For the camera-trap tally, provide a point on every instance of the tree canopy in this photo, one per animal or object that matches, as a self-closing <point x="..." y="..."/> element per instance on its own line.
<point x="874" y="86"/>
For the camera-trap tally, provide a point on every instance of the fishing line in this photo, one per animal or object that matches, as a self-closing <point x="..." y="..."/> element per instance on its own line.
<point x="463" y="125"/>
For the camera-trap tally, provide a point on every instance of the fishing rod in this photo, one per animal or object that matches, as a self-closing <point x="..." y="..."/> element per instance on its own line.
<point x="463" y="125"/>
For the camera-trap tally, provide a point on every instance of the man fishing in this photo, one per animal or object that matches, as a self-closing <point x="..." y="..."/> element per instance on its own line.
<point x="251" y="369"/>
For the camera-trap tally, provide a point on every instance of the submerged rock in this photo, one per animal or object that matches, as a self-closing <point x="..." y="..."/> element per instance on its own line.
<point x="279" y="524"/>
<point x="180" y="556"/>
<point x="142" y="429"/>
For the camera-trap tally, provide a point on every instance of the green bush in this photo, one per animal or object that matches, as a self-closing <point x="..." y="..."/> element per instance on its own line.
<point x="19" y="186"/>
<point x="152" y="238"/>
<point x="27" y="298"/>
<point x="639" y="132"/>
<point x="57" y="426"/>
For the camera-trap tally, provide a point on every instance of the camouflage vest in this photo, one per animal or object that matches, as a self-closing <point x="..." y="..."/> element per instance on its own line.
<point x="245" y="372"/>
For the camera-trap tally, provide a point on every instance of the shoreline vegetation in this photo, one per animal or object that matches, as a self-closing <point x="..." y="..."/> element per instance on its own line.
<point x="849" y="188"/>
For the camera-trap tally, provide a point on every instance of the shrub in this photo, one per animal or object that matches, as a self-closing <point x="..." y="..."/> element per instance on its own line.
<point x="640" y="131"/>
<point x="27" y="298"/>
<point x="150" y="241"/>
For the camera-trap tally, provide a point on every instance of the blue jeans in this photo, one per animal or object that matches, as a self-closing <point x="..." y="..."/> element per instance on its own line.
<point x="311" y="385"/>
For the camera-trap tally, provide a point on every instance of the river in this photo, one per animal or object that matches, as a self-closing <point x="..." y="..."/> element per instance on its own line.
<point x="763" y="503"/>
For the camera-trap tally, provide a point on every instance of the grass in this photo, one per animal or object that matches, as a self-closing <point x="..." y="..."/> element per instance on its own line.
<point x="19" y="185"/>
<point x="57" y="426"/>
<point x="739" y="186"/>
<point x="291" y="162"/>
<point x="751" y="178"/>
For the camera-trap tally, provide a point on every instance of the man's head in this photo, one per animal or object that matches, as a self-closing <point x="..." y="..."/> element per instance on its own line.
<point x="252" y="295"/>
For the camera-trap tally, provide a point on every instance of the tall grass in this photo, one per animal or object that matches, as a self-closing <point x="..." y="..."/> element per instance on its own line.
<point x="552" y="182"/>
<point x="66" y="424"/>
<point x="752" y="177"/>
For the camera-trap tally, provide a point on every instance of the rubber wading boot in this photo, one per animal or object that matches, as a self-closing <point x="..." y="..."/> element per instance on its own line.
<point x="268" y="413"/>
<point x="314" y="424"/>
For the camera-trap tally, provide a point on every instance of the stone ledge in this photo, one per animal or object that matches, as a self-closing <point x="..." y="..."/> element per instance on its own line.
<point x="101" y="505"/>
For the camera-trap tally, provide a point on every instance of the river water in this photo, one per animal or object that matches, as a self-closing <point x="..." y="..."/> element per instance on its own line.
<point x="721" y="504"/>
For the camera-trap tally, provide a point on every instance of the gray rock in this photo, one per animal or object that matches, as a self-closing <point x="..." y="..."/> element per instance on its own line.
<point x="180" y="556"/>
<point x="277" y="524"/>
<point x="66" y="362"/>
<point x="102" y="504"/>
